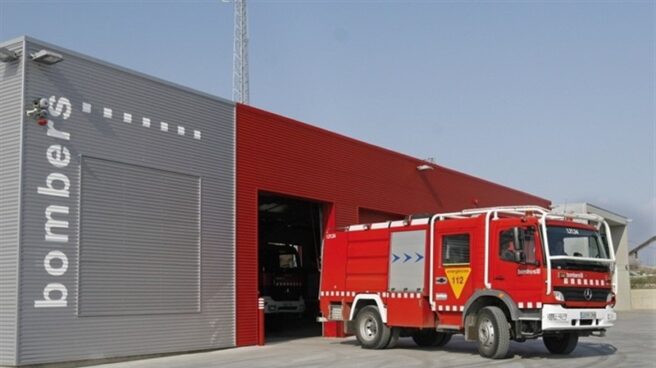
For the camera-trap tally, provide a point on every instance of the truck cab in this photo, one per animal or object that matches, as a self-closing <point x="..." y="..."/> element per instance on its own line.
<point x="494" y="274"/>
<point x="282" y="279"/>
<point x="556" y="278"/>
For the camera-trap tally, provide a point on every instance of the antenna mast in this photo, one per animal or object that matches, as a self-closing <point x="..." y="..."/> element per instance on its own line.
<point x="240" y="90"/>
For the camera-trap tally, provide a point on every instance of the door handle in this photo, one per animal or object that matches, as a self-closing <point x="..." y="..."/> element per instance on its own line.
<point x="499" y="277"/>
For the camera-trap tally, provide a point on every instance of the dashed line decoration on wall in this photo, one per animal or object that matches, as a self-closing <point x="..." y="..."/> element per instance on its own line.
<point x="145" y="122"/>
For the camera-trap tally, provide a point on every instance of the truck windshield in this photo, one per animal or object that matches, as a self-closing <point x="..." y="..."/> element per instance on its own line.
<point x="278" y="258"/>
<point x="288" y="261"/>
<point x="576" y="242"/>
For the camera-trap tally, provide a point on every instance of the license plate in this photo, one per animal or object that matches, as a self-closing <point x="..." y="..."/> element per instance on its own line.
<point x="588" y="315"/>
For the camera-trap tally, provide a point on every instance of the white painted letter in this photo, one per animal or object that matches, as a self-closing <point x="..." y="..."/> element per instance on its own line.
<point x="51" y="190"/>
<point x="56" y="109"/>
<point x="47" y="263"/>
<point x="58" y="156"/>
<point x="50" y="224"/>
<point x="53" y="132"/>
<point x="47" y="302"/>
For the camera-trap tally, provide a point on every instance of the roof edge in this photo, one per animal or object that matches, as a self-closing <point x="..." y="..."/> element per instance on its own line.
<point x="13" y="40"/>
<point x="405" y="156"/>
<point x="29" y="39"/>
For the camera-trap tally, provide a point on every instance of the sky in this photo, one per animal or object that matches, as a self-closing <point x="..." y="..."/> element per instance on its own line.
<point x="553" y="98"/>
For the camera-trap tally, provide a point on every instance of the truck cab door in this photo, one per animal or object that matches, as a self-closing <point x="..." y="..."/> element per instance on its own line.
<point x="516" y="263"/>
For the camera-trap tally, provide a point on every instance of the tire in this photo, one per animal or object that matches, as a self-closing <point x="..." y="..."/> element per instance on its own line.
<point x="370" y="330"/>
<point x="446" y="337"/>
<point x="394" y="339"/>
<point x="562" y="344"/>
<point x="493" y="333"/>
<point x="427" y="337"/>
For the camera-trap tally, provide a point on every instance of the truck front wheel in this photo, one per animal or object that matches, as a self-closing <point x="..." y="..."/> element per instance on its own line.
<point x="493" y="333"/>
<point x="370" y="330"/>
<point x="562" y="343"/>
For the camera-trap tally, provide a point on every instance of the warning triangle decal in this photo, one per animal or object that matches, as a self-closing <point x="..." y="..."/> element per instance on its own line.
<point x="457" y="279"/>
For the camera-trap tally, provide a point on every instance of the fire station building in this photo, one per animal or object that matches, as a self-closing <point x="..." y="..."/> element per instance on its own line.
<point x="133" y="209"/>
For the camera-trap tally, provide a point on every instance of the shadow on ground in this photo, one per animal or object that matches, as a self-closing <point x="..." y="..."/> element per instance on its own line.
<point x="284" y="328"/>
<point x="527" y="350"/>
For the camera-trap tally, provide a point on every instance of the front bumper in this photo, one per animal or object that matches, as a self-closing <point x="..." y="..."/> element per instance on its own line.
<point x="283" y="306"/>
<point x="557" y="318"/>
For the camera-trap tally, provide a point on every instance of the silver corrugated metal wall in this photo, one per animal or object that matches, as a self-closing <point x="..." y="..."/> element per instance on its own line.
<point x="156" y="236"/>
<point x="11" y="81"/>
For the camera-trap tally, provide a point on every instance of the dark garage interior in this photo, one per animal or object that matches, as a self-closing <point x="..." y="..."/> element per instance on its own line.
<point x="289" y="237"/>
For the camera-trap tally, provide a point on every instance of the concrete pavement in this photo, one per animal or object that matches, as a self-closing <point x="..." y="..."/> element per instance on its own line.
<point x="632" y="343"/>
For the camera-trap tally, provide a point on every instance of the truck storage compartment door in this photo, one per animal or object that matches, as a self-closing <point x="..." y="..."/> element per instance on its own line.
<point x="406" y="261"/>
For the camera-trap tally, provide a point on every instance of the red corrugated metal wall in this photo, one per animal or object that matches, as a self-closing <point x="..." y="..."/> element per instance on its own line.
<point x="367" y="216"/>
<point x="280" y="155"/>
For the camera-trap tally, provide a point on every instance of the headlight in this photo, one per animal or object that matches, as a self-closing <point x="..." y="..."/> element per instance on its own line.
<point x="559" y="296"/>
<point x="611" y="298"/>
<point x="612" y="316"/>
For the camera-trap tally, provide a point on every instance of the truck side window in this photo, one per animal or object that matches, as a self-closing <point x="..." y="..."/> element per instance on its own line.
<point x="455" y="249"/>
<point x="517" y="244"/>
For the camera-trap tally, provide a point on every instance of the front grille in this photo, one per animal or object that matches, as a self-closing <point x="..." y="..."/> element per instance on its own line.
<point x="285" y="293"/>
<point x="578" y="294"/>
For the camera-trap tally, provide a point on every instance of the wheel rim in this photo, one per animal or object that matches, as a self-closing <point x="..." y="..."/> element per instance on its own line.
<point x="486" y="333"/>
<point x="369" y="328"/>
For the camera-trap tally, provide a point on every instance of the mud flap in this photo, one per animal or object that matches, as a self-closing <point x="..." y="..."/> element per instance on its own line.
<point x="471" y="334"/>
<point x="349" y="327"/>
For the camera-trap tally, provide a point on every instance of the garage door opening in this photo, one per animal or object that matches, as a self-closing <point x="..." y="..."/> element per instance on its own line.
<point x="289" y="241"/>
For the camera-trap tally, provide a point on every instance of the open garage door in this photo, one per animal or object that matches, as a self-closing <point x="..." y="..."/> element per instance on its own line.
<point x="289" y="235"/>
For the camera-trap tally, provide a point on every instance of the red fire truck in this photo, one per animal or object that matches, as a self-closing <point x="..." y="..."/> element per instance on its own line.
<point x="493" y="274"/>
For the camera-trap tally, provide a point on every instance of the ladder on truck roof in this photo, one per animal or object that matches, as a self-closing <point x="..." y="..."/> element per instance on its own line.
<point x="492" y="213"/>
<point x="474" y="212"/>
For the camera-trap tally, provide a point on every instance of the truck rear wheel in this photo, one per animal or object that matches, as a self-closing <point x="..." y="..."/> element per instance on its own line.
<point x="394" y="339"/>
<point x="429" y="337"/>
<point x="562" y="343"/>
<point x="493" y="333"/>
<point x="370" y="330"/>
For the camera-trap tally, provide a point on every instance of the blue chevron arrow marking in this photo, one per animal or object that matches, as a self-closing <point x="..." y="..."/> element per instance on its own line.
<point x="396" y="258"/>
<point x="407" y="257"/>
<point x="419" y="257"/>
